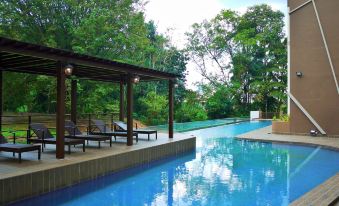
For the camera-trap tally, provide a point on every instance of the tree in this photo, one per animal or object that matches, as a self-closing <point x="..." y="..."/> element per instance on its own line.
<point x="191" y="109"/>
<point x="220" y="104"/>
<point x="250" y="53"/>
<point x="260" y="63"/>
<point x="212" y="42"/>
<point x="110" y="29"/>
<point x="154" y="109"/>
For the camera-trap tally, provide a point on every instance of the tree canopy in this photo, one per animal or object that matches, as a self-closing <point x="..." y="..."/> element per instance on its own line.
<point x="114" y="30"/>
<point x="248" y="57"/>
<point x="242" y="57"/>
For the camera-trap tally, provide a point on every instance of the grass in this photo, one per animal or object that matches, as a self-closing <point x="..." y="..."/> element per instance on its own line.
<point x="20" y="134"/>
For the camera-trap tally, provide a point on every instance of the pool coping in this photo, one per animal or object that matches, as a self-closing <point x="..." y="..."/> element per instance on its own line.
<point x="326" y="193"/>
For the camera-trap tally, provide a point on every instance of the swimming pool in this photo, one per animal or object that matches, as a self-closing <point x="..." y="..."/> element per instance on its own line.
<point x="222" y="171"/>
<point x="189" y="126"/>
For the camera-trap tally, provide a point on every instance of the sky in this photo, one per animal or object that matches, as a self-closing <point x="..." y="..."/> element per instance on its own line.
<point x="174" y="17"/>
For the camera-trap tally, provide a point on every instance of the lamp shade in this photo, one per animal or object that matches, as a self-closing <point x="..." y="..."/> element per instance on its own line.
<point x="68" y="69"/>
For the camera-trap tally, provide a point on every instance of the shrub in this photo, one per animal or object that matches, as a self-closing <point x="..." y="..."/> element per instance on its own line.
<point x="154" y="109"/>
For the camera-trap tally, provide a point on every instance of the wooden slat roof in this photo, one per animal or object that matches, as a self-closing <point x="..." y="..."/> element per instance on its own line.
<point x="25" y="57"/>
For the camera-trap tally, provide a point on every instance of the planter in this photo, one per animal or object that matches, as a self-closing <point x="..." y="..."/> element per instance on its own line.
<point x="280" y="127"/>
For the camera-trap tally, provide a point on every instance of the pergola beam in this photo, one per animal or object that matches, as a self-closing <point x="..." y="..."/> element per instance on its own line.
<point x="54" y="54"/>
<point x="60" y="114"/>
<point x="171" y="108"/>
<point x="129" y="110"/>
<point x="42" y="64"/>
<point x="122" y="100"/>
<point x="1" y="95"/>
<point x="74" y="85"/>
<point x="31" y="61"/>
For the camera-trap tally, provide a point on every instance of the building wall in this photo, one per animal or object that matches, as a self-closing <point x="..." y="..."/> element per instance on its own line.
<point x="316" y="90"/>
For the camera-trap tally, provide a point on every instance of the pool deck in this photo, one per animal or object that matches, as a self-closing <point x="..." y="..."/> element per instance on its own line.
<point x="32" y="177"/>
<point x="326" y="193"/>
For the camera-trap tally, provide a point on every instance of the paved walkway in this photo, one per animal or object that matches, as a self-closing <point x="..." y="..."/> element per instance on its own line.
<point x="265" y="134"/>
<point x="326" y="193"/>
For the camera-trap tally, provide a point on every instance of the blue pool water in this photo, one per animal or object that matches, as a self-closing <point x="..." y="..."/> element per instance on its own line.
<point x="222" y="171"/>
<point x="188" y="126"/>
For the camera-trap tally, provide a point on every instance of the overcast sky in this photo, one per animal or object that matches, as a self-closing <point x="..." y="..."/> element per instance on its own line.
<point x="179" y="15"/>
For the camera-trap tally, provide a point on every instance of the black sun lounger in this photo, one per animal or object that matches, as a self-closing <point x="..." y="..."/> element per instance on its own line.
<point x="100" y="128"/>
<point x="18" y="148"/>
<point x="75" y="133"/>
<point x="123" y="127"/>
<point x="44" y="137"/>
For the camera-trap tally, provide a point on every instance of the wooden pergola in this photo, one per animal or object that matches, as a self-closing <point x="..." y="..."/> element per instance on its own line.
<point x="17" y="56"/>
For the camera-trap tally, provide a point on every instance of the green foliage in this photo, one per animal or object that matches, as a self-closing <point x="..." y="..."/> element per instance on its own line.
<point x="260" y="63"/>
<point x="190" y="109"/>
<point x="220" y="104"/>
<point x="110" y="29"/>
<point x="284" y="118"/>
<point x="154" y="109"/>
<point x="249" y="53"/>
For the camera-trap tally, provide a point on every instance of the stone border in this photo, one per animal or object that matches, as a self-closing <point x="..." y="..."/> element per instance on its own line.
<point x="48" y="180"/>
<point x="309" y="144"/>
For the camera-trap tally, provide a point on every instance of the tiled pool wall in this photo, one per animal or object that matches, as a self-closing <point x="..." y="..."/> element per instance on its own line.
<point x="36" y="183"/>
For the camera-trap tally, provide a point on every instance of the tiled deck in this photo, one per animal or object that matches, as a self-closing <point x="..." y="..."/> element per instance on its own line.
<point x="33" y="177"/>
<point x="326" y="193"/>
<point x="265" y="135"/>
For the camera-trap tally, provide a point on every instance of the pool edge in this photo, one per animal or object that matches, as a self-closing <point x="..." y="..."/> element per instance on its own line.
<point x="326" y="193"/>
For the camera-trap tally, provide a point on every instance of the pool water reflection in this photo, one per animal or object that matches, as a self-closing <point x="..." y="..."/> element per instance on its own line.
<point x="222" y="171"/>
<point x="189" y="126"/>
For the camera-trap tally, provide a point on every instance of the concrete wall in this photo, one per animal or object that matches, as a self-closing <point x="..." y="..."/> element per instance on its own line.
<point x="36" y="183"/>
<point x="316" y="90"/>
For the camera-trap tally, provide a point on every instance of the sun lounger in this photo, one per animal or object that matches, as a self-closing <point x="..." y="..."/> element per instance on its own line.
<point x="100" y="128"/>
<point x="75" y="133"/>
<point x="121" y="126"/>
<point x="44" y="137"/>
<point x="18" y="148"/>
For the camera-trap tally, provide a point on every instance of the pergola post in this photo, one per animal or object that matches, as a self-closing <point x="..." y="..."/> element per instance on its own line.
<point x="74" y="101"/>
<point x="170" y="107"/>
<point x="60" y="114"/>
<point x="122" y="100"/>
<point x="1" y="100"/>
<point x="129" y="110"/>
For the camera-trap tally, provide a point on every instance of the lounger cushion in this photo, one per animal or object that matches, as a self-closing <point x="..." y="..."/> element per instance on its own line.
<point x="71" y="128"/>
<point x="123" y="127"/>
<point x="41" y="131"/>
<point x="9" y="147"/>
<point x="101" y="126"/>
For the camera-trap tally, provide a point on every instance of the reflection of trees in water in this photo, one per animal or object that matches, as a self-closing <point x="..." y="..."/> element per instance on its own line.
<point x="224" y="171"/>
<point x="228" y="169"/>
